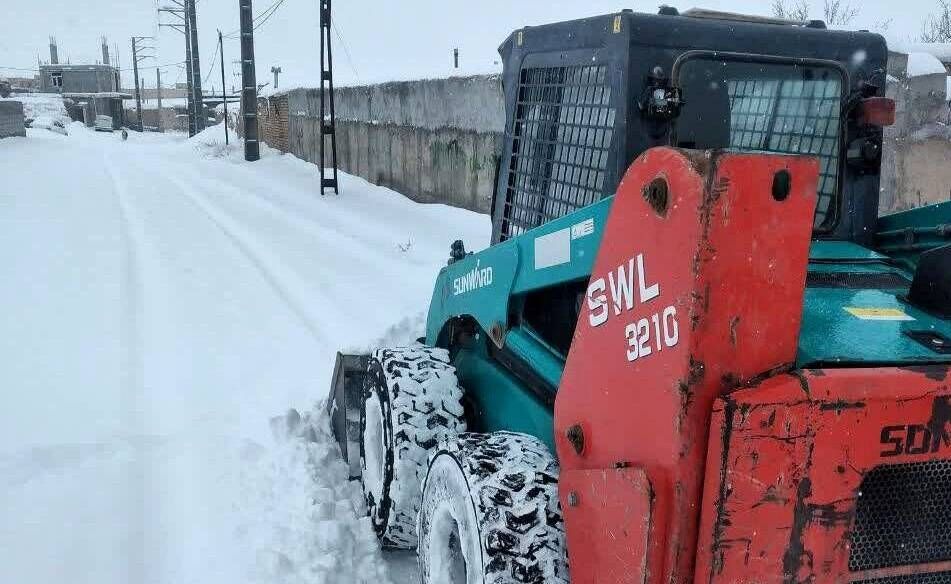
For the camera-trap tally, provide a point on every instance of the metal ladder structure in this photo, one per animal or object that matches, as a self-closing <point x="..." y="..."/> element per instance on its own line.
<point x="327" y="126"/>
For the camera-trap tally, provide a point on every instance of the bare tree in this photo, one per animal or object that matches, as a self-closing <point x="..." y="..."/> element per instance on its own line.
<point x="883" y="25"/>
<point x="937" y="29"/>
<point x="839" y="13"/>
<point x="792" y="9"/>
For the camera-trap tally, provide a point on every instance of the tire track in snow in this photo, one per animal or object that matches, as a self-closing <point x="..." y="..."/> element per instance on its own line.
<point x="373" y="259"/>
<point x="132" y="368"/>
<point x="240" y="240"/>
<point x="307" y="225"/>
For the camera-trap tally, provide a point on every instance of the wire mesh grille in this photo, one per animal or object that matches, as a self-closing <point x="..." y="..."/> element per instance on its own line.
<point x="856" y="280"/>
<point x="564" y="123"/>
<point x="793" y="117"/>
<point x="903" y="515"/>
<point x="928" y="578"/>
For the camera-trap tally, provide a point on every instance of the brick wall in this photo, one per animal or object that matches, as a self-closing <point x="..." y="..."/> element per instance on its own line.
<point x="11" y="119"/>
<point x="273" y="121"/>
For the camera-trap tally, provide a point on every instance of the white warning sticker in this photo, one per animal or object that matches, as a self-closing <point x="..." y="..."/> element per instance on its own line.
<point x="553" y="249"/>
<point x="579" y="230"/>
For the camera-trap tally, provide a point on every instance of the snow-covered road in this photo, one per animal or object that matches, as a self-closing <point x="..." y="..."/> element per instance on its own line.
<point x="161" y="300"/>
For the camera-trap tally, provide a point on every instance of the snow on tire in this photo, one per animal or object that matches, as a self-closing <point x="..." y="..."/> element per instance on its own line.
<point x="412" y="402"/>
<point x="490" y="513"/>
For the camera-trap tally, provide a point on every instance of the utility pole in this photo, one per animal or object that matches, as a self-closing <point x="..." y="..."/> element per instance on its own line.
<point x="178" y="11"/>
<point x="224" y="98"/>
<point x="138" y="96"/>
<point x="136" y="58"/>
<point x="249" y="86"/>
<point x="327" y="127"/>
<point x="158" y="95"/>
<point x="195" y="64"/>
<point x="455" y="57"/>
<point x="189" y="80"/>
<point x="276" y="71"/>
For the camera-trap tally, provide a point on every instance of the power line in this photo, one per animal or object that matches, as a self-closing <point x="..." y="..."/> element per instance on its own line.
<point x="181" y="69"/>
<point x="213" y="61"/>
<point x="346" y="51"/>
<point x="276" y="6"/>
<point x="264" y="14"/>
<point x="164" y="66"/>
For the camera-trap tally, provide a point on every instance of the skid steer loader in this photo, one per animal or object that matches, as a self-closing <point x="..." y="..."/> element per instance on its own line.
<point x="693" y="353"/>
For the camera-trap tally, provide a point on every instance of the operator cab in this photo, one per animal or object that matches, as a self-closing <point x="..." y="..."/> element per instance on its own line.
<point x="585" y="98"/>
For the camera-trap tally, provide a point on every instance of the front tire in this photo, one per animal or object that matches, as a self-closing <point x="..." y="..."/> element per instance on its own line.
<point x="490" y="513"/>
<point x="412" y="402"/>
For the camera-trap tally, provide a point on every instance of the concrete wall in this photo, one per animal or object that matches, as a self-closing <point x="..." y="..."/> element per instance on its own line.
<point x="917" y="149"/>
<point x="470" y="103"/>
<point x="173" y="119"/>
<point x="79" y="78"/>
<point x="438" y="140"/>
<point x="11" y="119"/>
<point x="435" y="141"/>
<point x="923" y="173"/>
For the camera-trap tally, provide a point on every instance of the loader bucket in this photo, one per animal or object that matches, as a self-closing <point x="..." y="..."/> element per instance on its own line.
<point x="346" y="399"/>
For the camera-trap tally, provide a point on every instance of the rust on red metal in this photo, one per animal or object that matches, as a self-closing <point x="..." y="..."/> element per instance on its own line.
<point x="612" y="505"/>
<point x="786" y="472"/>
<point x="697" y="289"/>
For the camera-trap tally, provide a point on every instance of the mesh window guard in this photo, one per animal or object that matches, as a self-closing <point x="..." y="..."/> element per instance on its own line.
<point x="792" y="117"/>
<point x="562" y="132"/>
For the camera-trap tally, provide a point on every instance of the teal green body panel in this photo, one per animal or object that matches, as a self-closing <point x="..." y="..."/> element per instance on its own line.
<point x="842" y="326"/>
<point x="513" y="267"/>
<point x="839" y="251"/>
<point x="500" y="400"/>
<point x="546" y="363"/>
<point x="830" y="335"/>
<point x="905" y="235"/>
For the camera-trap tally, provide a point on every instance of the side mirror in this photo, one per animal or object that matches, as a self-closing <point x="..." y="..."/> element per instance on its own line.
<point x="660" y="100"/>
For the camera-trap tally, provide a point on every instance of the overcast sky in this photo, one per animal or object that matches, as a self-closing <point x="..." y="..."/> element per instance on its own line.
<point x="381" y="39"/>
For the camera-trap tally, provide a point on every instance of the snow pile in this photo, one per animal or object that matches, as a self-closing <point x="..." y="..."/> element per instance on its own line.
<point x="45" y="109"/>
<point x="940" y="50"/>
<point x="921" y="64"/>
<point x="305" y="521"/>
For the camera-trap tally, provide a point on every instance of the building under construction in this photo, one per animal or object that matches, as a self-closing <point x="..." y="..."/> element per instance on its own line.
<point x="90" y="90"/>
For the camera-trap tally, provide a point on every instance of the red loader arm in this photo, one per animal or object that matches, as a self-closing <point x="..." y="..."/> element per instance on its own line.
<point x="697" y="289"/>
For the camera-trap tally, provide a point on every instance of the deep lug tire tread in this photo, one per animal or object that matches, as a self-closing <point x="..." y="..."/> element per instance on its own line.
<point x="513" y="485"/>
<point x="421" y="407"/>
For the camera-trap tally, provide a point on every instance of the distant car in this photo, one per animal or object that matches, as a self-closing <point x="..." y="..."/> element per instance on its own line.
<point x="103" y="123"/>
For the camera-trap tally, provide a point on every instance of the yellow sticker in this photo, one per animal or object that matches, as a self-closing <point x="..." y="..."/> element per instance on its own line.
<point x="617" y="24"/>
<point x="878" y="313"/>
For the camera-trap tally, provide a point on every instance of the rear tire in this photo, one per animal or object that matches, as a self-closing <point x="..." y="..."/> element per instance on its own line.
<point x="490" y="513"/>
<point x="411" y="403"/>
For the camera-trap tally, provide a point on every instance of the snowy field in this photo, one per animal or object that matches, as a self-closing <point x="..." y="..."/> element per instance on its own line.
<point x="162" y="299"/>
